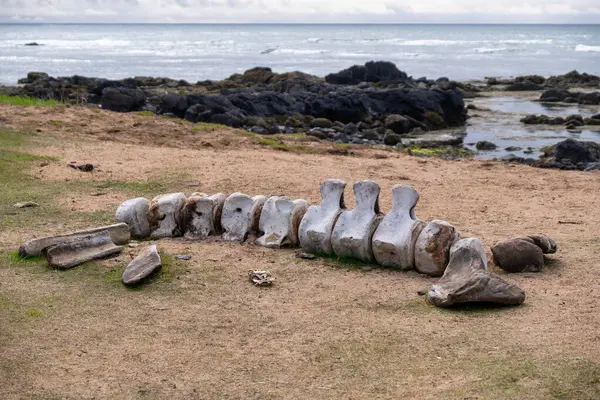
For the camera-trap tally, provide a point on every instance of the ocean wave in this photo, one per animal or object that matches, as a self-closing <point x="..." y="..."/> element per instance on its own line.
<point x="45" y="60"/>
<point x="584" y="47"/>
<point x="489" y="50"/>
<point x="298" y="51"/>
<point x="314" y="40"/>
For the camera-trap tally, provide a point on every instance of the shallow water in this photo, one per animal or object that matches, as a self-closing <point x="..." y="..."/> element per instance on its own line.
<point x="503" y="127"/>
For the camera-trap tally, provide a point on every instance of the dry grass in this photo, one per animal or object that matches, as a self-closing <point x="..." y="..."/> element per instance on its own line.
<point x="326" y="329"/>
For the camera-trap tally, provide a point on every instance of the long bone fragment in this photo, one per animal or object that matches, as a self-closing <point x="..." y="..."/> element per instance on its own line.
<point x="119" y="234"/>
<point x="86" y="248"/>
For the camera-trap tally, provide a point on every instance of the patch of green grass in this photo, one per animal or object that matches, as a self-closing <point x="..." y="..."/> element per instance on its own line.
<point x="442" y="152"/>
<point x="510" y="378"/>
<point x="208" y="127"/>
<point x="57" y="123"/>
<point x="34" y="313"/>
<point x="26" y="101"/>
<point x="146" y="112"/>
<point x="345" y="262"/>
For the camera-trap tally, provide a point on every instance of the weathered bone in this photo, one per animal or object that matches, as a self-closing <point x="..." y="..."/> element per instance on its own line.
<point x="201" y="215"/>
<point x="241" y="215"/>
<point x="164" y="215"/>
<point x="119" y="234"/>
<point x="395" y="237"/>
<point x="145" y="264"/>
<point x="432" y="248"/>
<point x="467" y="280"/>
<point x="279" y="221"/>
<point x="86" y="248"/>
<point x="134" y="212"/>
<point x="353" y="231"/>
<point x="317" y="224"/>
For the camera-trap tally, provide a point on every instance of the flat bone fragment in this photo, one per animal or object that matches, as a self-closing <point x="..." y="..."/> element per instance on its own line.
<point x="201" y="215"/>
<point x="241" y="216"/>
<point x="279" y="221"/>
<point x="83" y="249"/>
<point x="317" y="224"/>
<point x="164" y="215"/>
<point x="395" y="237"/>
<point x="432" y="248"/>
<point x="144" y="265"/>
<point x="353" y="231"/>
<point x="467" y="279"/>
<point x="134" y="212"/>
<point x="119" y="234"/>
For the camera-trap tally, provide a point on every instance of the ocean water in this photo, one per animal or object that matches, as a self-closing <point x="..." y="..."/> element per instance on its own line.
<point x="198" y="52"/>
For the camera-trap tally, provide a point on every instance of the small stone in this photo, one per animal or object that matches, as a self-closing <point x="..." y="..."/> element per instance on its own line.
<point x="144" y="265"/>
<point x="546" y="243"/>
<point x="485" y="145"/>
<point x="305" y="256"/>
<point x="518" y="255"/>
<point x="261" y="278"/>
<point x="183" y="257"/>
<point x="366" y="268"/>
<point x="321" y="123"/>
<point x="81" y="167"/>
<point x="44" y="164"/>
<point x="26" y="204"/>
<point x="422" y="292"/>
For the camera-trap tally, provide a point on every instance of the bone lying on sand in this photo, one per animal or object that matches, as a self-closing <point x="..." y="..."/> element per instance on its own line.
<point x="279" y="222"/>
<point x="69" y="254"/>
<point x="317" y="224"/>
<point x="398" y="240"/>
<point x="201" y="215"/>
<point x="354" y="228"/>
<point x="146" y="264"/>
<point x="119" y="234"/>
<point x="467" y="280"/>
<point x="241" y="216"/>
<point x="395" y="237"/>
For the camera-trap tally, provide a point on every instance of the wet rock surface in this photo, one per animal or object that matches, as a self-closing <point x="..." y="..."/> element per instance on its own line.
<point x="571" y="154"/>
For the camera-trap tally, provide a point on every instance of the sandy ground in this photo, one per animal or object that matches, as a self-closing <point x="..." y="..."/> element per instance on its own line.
<point x="323" y="330"/>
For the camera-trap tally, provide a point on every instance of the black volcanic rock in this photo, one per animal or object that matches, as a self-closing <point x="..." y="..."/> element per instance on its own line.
<point x="123" y="99"/>
<point x="373" y="71"/>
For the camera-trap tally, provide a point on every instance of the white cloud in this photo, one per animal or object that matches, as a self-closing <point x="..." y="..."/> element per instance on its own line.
<point x="300" y="10"/>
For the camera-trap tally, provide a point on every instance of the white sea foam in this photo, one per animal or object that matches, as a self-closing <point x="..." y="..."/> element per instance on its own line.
<point x="300" y="51"/>
<point x="584" y="47"/>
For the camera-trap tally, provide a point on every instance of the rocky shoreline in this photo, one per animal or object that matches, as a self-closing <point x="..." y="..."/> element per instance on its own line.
<point x="375" y="103"/>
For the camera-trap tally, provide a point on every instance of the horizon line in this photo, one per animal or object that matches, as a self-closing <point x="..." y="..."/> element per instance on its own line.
<point x="297" y="23"/>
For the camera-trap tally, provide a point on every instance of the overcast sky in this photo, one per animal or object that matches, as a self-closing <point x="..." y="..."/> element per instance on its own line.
<point x="304" y="11"/>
